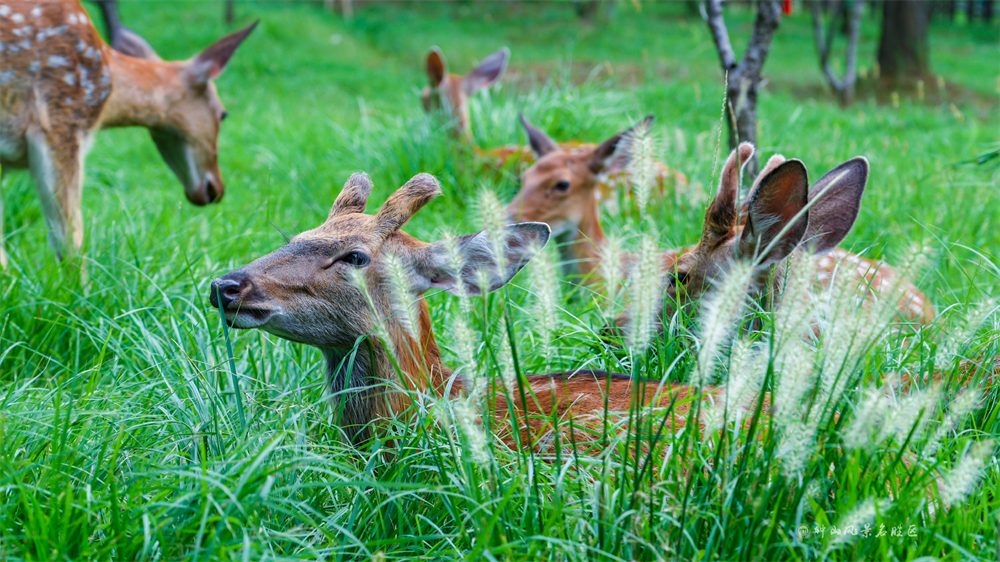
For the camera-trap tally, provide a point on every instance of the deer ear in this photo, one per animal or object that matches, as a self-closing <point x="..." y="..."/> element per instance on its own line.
<point x="773" y="207"/>
<point x="541" y="144"/>
<point x="721" y="216"/>
<point x="130" y="43"/>
<point x="433" y="263"/>
<point x="837" y="203"/>
<point x="488" y="72"/>
<point x="615" y="154"/>
<point x="208" y="65"/>
<point x="437" y="66"/>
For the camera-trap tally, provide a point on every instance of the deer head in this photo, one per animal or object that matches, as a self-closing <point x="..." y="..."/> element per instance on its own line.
<point x="780" y="214"/>
<point x="451" y="92"/>
<point x="307" y="291"/>
<point x="186" y="131"/>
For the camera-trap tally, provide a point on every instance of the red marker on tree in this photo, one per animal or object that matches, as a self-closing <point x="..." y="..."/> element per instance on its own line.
<point x="787" y="8"/>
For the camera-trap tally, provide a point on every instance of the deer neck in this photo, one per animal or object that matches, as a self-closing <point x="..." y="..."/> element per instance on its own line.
<point x="581" y="248"/>
<point x="365" y="385"/>
<point x="142" y="91"/>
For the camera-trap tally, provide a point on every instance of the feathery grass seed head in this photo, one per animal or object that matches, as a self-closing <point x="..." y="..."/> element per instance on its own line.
<point x="722" y="307"/>
<point x="645" y="294"/>
<point x="404" y="305"/>
<point x="958" y="483"/>
<point x="494" y="220"/>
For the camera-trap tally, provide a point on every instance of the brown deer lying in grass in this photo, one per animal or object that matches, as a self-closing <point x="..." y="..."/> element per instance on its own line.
<point x="556" y="193"/>
<point x="561" y="166"/>
<point x="60" y="84"/>
<point x="450" y="92"/>
<point x="304" y="292"/>
<point x="823" y="216"/>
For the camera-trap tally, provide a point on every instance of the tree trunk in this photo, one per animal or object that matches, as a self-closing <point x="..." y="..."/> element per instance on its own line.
<point x="743" y="77"/>
<point x="230" y="12"/>
<point x="587" y="9"/>
<point x="824" y="44"/>
<point x="904" y="50"/>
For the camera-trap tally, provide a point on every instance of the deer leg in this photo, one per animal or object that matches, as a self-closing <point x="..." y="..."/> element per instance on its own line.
<point x="57" y="168"/>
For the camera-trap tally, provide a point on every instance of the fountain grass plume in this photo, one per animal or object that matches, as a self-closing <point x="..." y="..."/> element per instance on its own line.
<point x="404" y="306"/>
<point x="645" y="295"/>
<point x="545" y="284"/>
<point x="612" y="273"/>
<point x="721" y="309"/>
<point x="958" y="483"/>
<point x="640" y="145"/>
<point x="493" y="219"/>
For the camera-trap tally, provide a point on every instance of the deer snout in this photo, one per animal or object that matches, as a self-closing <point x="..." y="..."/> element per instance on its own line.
<point x="229" y="290"/>
<point x="210" y="191"/>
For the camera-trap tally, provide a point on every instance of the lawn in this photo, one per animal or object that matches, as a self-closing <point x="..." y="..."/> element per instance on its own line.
<point x="121" y="431"/>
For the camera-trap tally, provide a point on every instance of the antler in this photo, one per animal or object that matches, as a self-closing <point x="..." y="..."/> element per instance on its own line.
<point x="407" y="200"/>
<point x="353" y="197"/>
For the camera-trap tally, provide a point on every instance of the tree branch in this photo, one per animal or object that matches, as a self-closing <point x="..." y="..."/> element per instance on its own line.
<point x="720" y="34"/>
<point x="768" y="18"/>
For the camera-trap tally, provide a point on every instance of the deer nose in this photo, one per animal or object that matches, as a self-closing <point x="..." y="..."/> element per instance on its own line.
<point x="229" y="289"/>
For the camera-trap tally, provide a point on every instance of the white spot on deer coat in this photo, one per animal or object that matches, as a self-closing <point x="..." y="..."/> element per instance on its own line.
<point x="17" y="18"/>
<point x="6" y="77"/>
<point x="51" y="32"/>
<point x="71" y="19"/>
<point x="4" y="11"/>
<point x="82" y="18"/>
<point x="36" y="11"/>
<point x="34" y="66"/>
<point x="55" y="61"/>
<point x="70" y="79"/>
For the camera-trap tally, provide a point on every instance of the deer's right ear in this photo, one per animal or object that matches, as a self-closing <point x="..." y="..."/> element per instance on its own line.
<point x="541" y="144"/>
<point x="434" y="263"/>
<point x="775" y="222"/>
<point x="488" y="71"/>
<point x="130" y="43"/>
<point x="837" y="204"/>
<point x="721" y="216"/>
<point x="437" y="67"/>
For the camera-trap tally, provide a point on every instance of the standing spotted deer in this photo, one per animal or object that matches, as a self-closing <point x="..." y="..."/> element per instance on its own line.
<point x="450" y="92"/>
<point x="61" y="83"/>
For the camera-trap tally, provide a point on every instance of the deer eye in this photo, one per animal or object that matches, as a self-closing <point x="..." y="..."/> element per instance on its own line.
<point x="356" y="259"/>
<point x="678" y="278"/>
<point x="561" y="186"/>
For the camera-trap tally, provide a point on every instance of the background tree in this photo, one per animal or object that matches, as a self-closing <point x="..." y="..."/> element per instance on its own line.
<point x="848" y="13"/>
<point x="743" y="83"/>
<point x="904" y="50"/>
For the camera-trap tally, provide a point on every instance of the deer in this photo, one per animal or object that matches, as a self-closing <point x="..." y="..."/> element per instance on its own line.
<point x="307" y="292"/>
<point x="450" y="92"/>
<point x="304" y="292"/>
<point x="61" y="83"/>
<point x="562" y="190"/>
<point x="581" y="159"/>
<point x="780" y="216"/>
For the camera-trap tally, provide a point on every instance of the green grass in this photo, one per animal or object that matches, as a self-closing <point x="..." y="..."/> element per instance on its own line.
<point x="121" y="433"/>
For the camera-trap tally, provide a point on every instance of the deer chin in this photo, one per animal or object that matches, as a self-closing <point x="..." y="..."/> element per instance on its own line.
<point x="248" y="318"/>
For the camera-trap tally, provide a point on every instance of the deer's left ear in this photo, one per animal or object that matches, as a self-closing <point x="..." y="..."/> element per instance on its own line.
<point x="615" y="154"/>
<point x="837" y="203"/>
<point x="774" y="223"/>
<point x="126" y="41"/>
<point x="488" y="71"/>
<point x="434" y="263"/>
<point x="208" y="65"/>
